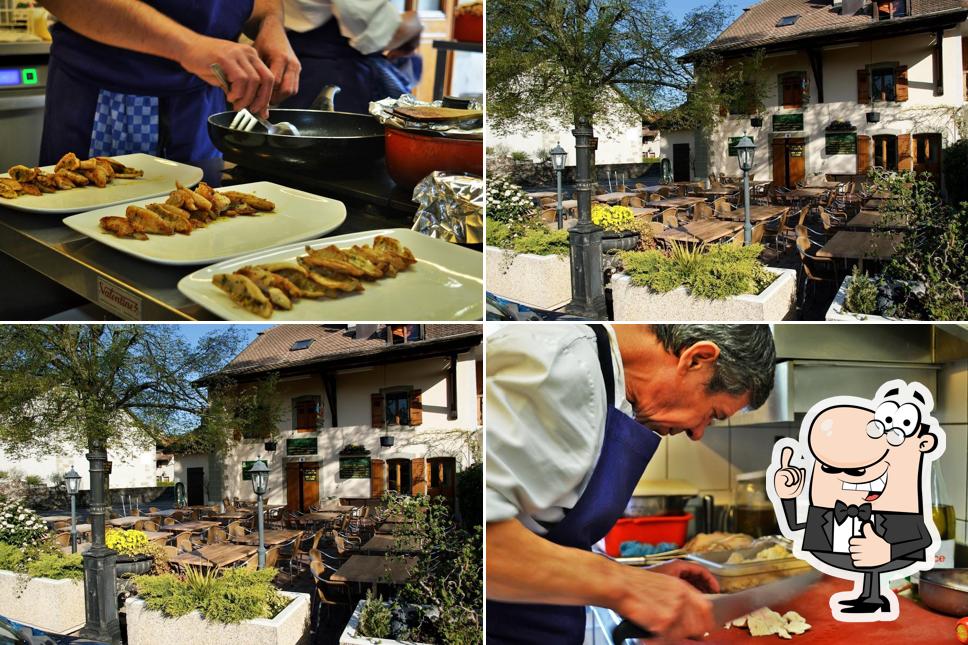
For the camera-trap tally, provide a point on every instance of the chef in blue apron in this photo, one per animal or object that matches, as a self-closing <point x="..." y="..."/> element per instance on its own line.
<point x="366" y="47"/>
<point x="130" y="76"/>
<point x="574" y="414"/>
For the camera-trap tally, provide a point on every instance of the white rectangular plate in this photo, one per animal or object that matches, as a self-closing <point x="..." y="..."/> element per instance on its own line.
<point x="298" y="216"/>
<point x="446" y="283"/>
<point x="159" y="179"/>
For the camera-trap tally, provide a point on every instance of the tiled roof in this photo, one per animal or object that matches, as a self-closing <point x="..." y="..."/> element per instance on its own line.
<point x="757" y="26"/>
<point x="270" y="350"/>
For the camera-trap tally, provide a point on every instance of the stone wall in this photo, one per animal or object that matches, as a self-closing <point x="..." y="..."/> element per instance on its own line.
<point x="529" y="174"/>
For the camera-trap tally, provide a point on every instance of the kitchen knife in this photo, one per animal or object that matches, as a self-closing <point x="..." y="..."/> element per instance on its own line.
<point x="727" y="607"/>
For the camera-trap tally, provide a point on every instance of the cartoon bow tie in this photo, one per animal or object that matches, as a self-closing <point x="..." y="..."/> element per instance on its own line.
<point x="843" y="511"/>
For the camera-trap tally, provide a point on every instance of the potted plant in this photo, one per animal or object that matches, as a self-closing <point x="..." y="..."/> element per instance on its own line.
<point x="237" y="606"/>
<point x="873" y="116"/>
<point x="354" y="450"/>
<point x="386" y="441"/>
<point x="723" y="282"/>
<point x="756" y="121"/>
<point x="270" y="446"/>
<point x="375" y="621"/>
<point x="136" y="555"/>
<point x="39" y="585"/>
<point x="621" y="231"/>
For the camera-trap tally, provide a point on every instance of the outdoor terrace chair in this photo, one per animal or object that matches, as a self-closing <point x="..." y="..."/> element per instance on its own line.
<point x="62" y="539"/>
<point x="148" y="525"/>
<point x="756" y="235"/>
<point x="657" y="227"/>
<point x="184" y="541"/>
<point x="634" y="201"/>
<point x="135" y="512"/>
<point x="703" y="211"/>
<point x="639" y="186"/>
<point x="669" y="217"/>
<point x="712" y="179"/>
<point x="63" y="524"/>
<point x="328" y="593"/>
<point x="139" y="525"/>
<point x="272" y="557"/>
<point x="655" y="197"/>
<point x="737" y="240"/>
<point x="216" y="535"/>
<point x="814" y="270"/>
<point x="235" y="529"/>
<point x="252" y="563"/>
<point x="153" y="509"/>
<point x="722" y="205"/>
<point x="549" y="215"/>
<point x="665" y="191"/>
<point x="160" y="540"/>
<point x="169" y="520"/>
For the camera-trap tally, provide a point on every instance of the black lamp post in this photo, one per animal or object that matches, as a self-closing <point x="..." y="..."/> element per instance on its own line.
<point x="260" y="486"/>
<point x="587" y="288"/>
<point x="100" y="594"/>
<point x="73" y="482"/>
<point x="744" y="152"/>
<point x="558" y="156"/>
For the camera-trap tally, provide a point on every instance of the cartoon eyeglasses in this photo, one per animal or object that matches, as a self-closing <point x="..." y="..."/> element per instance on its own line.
<point x="896" y="421"/>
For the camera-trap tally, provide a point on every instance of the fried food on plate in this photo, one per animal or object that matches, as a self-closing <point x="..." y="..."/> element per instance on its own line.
<point x="327" y="277"/>
<point x="145" y="221"/>
<point x="343" y="261"/>
<point x="23" y="174"/>
<point x="266" y="279"/>
<point x="178" y="223"/>
<point x="254" y="201"/>
<point x="121" y="227"/>
<point x="299" y="277"/>
<point x="69" y="172"/>
<point x="244" y="293"/>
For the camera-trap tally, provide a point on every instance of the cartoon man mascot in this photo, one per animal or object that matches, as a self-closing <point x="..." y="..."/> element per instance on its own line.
<point x="869" y="485"/>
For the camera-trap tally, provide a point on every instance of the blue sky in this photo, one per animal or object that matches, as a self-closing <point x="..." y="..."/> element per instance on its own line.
<point x="196" y="331"/>
<point x="681" y="7"/>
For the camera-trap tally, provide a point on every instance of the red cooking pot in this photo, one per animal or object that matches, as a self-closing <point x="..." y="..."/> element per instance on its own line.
<point x="469" y="28"/>
<point x="412" y="155"/>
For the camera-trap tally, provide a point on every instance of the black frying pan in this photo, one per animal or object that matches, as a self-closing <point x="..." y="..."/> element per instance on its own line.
<point x="326" y="141"/>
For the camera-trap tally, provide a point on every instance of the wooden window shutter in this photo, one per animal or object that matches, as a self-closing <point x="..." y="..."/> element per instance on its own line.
<point x="376" y="410"/>
<point x="416" y="408"/>
<point x="863" y="154"/>
<point x="901" y="83"/>
<point x="307" y="413"/>
<point x="418" y="477"/>
<point x="905" y="161"/>
<point x="376" y="477"/>
<point x="863" y="86"/>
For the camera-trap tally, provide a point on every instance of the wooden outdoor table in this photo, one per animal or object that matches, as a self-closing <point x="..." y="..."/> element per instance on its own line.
<point x="671" y="234"/>
<point x="825" y="185"/>
<point x="127" y="521"/>
<point x="388" y="528"/>
<point x="191" y="559"/>
<point x="191" y="527"/>
<point x="648" y="189"/>
<point x="226" y="554"/>
<point x="167" y="513"/>
<point x="383" y="544"/>
<point x="860" y="245"/>
<point x="611" y="198"/>
<point x="333" y="507"/>
<point x="568" y="204"/>
<point x="871" y="219"/>
<point x="541" y="194"/>
<point x="81" y="528"/>
<point x="725" y="191"/>
<point x="272" y="537"/>
<point x="806" y="193"/>
<point x="681" y="203"/>
<point x="712" y="230"/>
<point x="318" y="516"/>
<point x="639" y="211"/>
<point x="232" y="515"/>
<point x="53" y="519"/>
<point x="375" y="569"/>
<point x="757" y="213"/>
<point x="154" y="535"/>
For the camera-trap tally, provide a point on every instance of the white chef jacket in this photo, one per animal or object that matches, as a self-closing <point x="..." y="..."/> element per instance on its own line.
<point x="369" y="24"/>
<point x="546" y="413"/>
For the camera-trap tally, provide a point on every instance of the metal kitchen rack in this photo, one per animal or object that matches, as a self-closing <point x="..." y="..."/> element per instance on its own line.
<point x="12" y="16"/>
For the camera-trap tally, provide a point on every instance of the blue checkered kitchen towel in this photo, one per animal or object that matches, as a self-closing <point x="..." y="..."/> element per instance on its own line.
<point x="124" y="124"/>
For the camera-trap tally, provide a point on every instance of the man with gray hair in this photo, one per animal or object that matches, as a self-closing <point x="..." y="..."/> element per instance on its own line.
<point x="574" y="414"/>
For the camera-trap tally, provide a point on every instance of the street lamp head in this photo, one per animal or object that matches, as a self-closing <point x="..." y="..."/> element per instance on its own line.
<point x="260" y="478"/>
<point x="73" y="481"/>
<point x="744" y="152"/>
<point x="558" y="156"/>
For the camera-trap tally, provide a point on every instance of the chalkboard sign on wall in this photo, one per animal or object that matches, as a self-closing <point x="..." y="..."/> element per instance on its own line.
<point x="788" y="122"/>
<point x="354" y="467"/>
<point x="246" y="467"/>
<point x="732" y="145"/>
<point x="841" y="143"/>
<point x="301" y="447"/>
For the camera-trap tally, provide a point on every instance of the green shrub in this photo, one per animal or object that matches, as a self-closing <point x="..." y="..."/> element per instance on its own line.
<point x="861" y="294"/>
<point x="955" y="172"/>
<point x="539" y="240"/>
<point x="33" y="480"/>
<point x="375" y="617"/>
<point x="517" y="155"/>
<point x="470" y="485"/>
<point x="716" y="273"/>
<point x="506" y="202"/>
<point x="232" y="597"/>
<point x="57" y="566"/>
<point x="20" y="526"/>
<point x="11" y="558"/>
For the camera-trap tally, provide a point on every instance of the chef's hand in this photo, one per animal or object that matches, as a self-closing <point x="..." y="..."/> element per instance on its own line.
<point x="665" y="605"/>
<point x="274" y="48"/>
<point x="250" y="81"/>
<point x="869" y="550"/>
<point x="788" y="480"/>
<point x="699" y="577"/>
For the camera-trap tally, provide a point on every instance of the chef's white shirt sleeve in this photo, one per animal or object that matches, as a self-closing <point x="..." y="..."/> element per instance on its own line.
<point x="545" y="418"/>
<point x="368" y="24"/>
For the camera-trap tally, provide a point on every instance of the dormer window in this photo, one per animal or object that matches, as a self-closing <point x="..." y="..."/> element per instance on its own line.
<point x="787" y="21"/>
<point x="400" y="334"/>
<point x="887" y="9"/>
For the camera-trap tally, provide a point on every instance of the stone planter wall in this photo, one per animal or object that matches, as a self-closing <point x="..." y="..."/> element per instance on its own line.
<point x="349" y="636"/>
<point x="51" y="605"/>
<point x="148" y="627"/>
<point x="539" y="281"/>
<point x="777" y="302"/>
<point x="836" y="311"/>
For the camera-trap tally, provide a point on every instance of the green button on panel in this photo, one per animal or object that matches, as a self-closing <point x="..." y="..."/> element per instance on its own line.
<point x="29" y="76"/>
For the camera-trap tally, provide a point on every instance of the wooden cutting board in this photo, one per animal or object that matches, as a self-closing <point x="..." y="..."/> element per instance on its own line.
<point x="915" y="625"/>
<point x="421" y="113"/>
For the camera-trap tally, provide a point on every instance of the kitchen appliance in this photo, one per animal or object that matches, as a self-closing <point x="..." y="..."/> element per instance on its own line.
<point x="729" y="607"/>
<point x="752" y="512"/>
<point x="945" y="590"/>
<point x="23" y="82"/>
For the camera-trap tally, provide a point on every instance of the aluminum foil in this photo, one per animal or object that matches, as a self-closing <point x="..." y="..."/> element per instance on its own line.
<point x="451" y="207"/>
<point x="383" y="111"/>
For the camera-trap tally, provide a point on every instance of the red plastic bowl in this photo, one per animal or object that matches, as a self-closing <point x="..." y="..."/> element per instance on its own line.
<point x="653" y="529"/>
<point x="411" y="156"/>
<point x="469" y="28"/>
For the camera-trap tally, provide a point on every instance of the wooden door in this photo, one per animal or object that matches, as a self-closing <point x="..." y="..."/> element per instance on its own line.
<point x="376" y="478"/>
<point x="680" y="162"/>
<point x="779" y="162"/>
<point x="293" y="487"/>
<point x="796" y="151"/>
<point x="863" y="154"/>
<point x="196" y="486"/>
<point x="309" y="476"/>
<point x="443" y="476"/>
<point x="399" y="476"/>
<point x="927" y="155"/>
<point x="437" y="19"/>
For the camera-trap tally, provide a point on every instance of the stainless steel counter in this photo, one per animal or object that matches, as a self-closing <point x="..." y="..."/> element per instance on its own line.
<point x="125" y="286"/>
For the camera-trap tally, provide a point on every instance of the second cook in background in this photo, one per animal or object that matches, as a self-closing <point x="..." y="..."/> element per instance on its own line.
<point x="575" y="414"/>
